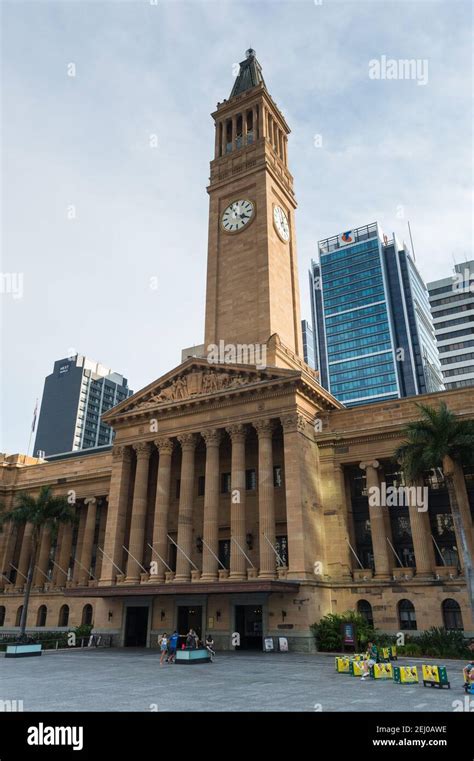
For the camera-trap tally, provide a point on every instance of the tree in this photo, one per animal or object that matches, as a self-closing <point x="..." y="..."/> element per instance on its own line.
<point x="439" y="439"/>
<point x="43" y="512"/>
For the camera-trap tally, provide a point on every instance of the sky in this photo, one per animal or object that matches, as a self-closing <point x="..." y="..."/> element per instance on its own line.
<point x="105" y="150"/>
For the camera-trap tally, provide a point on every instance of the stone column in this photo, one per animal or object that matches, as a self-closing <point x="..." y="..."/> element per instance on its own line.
<point x="137" y="524"/>
<point x="101" y="536"/>
<point x="266" y="503"/>
<point x="116" y="513"/>
<point x="254" y="123"/>
<point x="162" y="503"/>
<point x="11" y="532"/>
<point x="378" y="524"/>
<point x="77" y="571"/>
<point x="234" y="132"/>
<point x="261" y="121"/>
<point x="188" y="443"/>
<point x="88" y="540"/>
<point x="421" y="535"/>
<point x="285" y="150"/>
<point x="224" y="137"/>
<point x="63" y="555"/>
<point x="25" y="553"/>
<point x="238" y="563"/>
<point x="212" y="437"/>
<point x="42" y="560"/>
<point x="216" y="143"/>
<point x="244" y="128"/>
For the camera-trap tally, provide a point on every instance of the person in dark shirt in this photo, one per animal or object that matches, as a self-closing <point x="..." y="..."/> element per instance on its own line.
<point x="172" y="646"/>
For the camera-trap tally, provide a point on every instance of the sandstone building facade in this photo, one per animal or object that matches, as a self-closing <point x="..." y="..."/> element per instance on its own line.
<point x="234" y="498"/>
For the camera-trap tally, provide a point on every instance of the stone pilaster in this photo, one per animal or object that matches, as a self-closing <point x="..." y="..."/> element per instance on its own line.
<point x="162" y="503"/>
<point x="42" y="560"/>
<point x="421" y="534"/>
<point x="139" y="506"/>
<point x="378" y="523"/>
<point x="266" y="501"/>
<point x="116" y="514"/>
<point x="77" y="570"/>
<point x="25" y="553"/>
<point x="88" y="540"/>
<point x="63" y="555"/>
<point x="188" y="443"/>
<point x="212" y="437"/>
<point x="238" y="563"/>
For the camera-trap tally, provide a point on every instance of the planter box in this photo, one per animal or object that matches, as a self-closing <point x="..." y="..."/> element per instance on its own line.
<point x="190" y="657"/>
<point x="18" y="650"/>
<point x="363" y="574"/>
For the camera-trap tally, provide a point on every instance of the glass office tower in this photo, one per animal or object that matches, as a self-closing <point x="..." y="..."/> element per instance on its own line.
<point x="374" y="335"/>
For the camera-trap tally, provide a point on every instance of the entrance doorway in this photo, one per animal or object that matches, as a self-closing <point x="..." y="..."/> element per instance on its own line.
<point x="136" y="627"/>
<point x="190" y="617"/>
<point x="248" y="623"/>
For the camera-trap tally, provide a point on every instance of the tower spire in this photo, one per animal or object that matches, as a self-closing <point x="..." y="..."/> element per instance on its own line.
<point x="250" y="74"/>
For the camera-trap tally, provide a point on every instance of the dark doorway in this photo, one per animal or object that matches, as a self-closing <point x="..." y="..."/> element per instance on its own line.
<point x="248" y="623"/>
<point x="189" y="617"/>
<point x="136" y="626"/>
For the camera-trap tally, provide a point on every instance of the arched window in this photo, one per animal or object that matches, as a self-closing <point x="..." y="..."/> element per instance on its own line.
<point x="406" y="615"/>
<point x="452" y="616"/>
<point x="63" y="615"/>
<point x="87" y="615"/>
<point x="41" y="616"/>
<point x="364" y="609"/>
<point x="2" y="615"/>
<point x="18" y="615"/>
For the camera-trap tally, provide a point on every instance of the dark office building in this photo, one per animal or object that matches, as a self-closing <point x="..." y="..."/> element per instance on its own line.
<point x="75" y="395"/>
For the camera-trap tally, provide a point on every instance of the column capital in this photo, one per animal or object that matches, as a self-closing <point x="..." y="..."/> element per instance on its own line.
<point x="293" y="421"/>
<point x="142" y="449"/>
<point x="121" y="452"/>
<point x="212" y="437"/>
<point x="369" y="464"/>
<point x="90" y="500"/>
<point x="264" y="427"/>
<point x="188" y="441"/>
<point x="237" y="432"/>
<point x="164" y="445"/>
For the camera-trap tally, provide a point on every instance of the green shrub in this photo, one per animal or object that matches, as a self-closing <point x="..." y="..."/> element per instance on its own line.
<point x="328" y="635"/>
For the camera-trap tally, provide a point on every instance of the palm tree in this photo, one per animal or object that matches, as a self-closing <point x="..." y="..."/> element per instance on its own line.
<point x="441" y="440"/>
<point x="42" y="512"/>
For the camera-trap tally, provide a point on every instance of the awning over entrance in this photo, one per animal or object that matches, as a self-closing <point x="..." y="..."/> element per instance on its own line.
<point x="219" y="588"/>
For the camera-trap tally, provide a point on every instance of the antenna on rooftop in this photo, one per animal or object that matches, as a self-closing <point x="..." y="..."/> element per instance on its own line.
<point x="411" y="241"/>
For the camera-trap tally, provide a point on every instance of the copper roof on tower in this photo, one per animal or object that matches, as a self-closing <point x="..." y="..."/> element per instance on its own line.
<point x="250" y="74"/>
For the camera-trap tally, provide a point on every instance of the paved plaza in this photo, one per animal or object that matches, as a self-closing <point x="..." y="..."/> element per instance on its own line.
<point x="132" y="680"/>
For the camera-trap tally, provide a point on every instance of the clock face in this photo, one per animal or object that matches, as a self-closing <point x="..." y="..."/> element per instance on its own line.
<point x="280" y="221"/>
<point x="237" y="215"/>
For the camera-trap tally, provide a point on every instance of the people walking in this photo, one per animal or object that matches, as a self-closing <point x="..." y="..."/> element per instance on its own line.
<point x="172" y="646"/>
<point x="163" y="648"/>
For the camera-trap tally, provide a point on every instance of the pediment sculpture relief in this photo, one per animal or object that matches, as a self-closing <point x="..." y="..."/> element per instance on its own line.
<point x="198" y="383"/>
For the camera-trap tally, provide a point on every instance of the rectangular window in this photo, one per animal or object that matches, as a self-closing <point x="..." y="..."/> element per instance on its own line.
<point x="251" y="479"/>
<point x="225" y="483"/>
<point x="201" y="485"/>
<point x="277" y="475"/>
<point x="178" y="487"/>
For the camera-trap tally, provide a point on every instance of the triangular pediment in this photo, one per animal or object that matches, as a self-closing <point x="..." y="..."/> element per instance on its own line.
<point x="196" y="378"/>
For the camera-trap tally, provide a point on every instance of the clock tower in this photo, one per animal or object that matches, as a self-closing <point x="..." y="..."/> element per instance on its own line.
<point x="252" y="278"/>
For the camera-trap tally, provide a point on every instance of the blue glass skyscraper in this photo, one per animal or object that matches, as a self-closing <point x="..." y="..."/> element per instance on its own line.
<point x="373" y="330"/>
